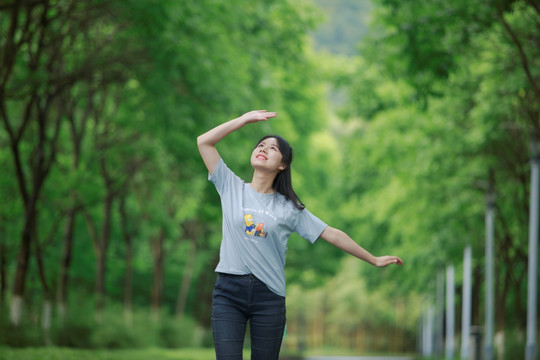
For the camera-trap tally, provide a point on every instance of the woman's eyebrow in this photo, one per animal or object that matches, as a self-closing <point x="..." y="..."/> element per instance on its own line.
<point x="264" y="143"/>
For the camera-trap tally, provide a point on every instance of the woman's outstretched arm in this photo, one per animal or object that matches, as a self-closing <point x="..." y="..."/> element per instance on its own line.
<point x="343" y="241"/>
<point x="207" y="141"/>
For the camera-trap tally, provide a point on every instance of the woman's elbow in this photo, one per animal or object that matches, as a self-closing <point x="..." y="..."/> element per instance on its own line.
<point x="331" y="235"/>
<point x="200" y="140"/>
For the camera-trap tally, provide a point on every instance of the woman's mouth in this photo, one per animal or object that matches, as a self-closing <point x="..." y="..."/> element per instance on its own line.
<point x="260" y="156"/>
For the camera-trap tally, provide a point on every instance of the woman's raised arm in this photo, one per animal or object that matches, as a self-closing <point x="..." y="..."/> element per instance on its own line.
<point x="207" y="141"/>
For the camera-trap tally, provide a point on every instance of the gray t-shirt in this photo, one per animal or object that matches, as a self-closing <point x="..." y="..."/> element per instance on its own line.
<point x="256" y="229"/>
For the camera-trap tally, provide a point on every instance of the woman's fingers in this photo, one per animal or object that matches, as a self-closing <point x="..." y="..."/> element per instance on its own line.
<point x="259" y="115"/>
<point x="389" y="260"/>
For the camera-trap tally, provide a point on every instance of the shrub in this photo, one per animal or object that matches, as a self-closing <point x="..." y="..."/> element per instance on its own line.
<point x="79" y="329"/>
<point x="24" y="335"/>
<point x="514" y="345"/>
<point x="114" y="332"/>
<point x="176" y="333"/>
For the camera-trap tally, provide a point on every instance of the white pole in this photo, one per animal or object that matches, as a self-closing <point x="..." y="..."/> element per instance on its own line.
<point x="429" y="331"/>
<point x="532" y="294"/>
<point x="439" y="315"/>
<point x="425" y="332"/>
<point x="490" y="290"/>
<point x="450" y="312"/>
<point x="466" y="304"/>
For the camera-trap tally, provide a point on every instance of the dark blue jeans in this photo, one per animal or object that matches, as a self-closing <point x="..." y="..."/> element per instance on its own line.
<point x="237" y="299"/>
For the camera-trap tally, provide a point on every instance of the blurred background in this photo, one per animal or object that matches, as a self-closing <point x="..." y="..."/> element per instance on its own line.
<point x="411" y="121"/>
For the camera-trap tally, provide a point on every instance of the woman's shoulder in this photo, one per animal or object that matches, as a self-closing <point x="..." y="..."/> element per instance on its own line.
<point x="223" y="177"/>
<point x="288" y="205"/>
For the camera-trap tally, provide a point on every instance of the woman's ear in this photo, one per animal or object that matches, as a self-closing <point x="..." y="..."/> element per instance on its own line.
<point x="282" y="167"/>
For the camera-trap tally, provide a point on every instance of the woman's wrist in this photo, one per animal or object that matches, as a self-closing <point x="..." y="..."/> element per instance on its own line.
<point x="240" y="122"/>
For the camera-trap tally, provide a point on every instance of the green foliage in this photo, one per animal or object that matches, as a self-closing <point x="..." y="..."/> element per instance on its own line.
<point x="132" y="84"/>
<point x="20" y="336"/>
<point x="117" y="330"/>
<point x="443" y="94"/>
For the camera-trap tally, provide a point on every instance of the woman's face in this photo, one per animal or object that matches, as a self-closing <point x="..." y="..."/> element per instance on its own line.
<point x="266" y="156"/>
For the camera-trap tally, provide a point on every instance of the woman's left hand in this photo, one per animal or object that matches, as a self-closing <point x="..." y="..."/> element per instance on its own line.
<point x="382" y="261"/>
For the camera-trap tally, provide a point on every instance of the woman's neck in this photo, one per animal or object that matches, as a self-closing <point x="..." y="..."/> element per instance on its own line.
<point x="263" y="183"/>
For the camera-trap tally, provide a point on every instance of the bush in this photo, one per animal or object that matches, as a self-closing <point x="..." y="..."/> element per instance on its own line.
<point x="21" y="336"/>
<point x="116" y="332"/>
<point x="175" y="333"/>
<point x="116" y="335"/>
<point x="76" y="334"/>
<point x="25" y="335"/>
<point x="514" y="345"/>
<point x="76" y="329"/>
<point x="81" y="330"/>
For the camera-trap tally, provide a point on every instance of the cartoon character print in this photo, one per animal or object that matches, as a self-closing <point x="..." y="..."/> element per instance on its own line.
<point x="252" y="229"/>
<point x="250" y="225"/>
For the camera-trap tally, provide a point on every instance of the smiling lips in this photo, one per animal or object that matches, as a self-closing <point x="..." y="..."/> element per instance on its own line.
<point x="261" y="156"/>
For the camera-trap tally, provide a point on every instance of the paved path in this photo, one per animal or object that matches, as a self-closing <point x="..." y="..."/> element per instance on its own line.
<point x="359" y="358"/>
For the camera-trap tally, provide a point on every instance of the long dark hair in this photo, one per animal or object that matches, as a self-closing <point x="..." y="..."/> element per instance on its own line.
<point x="283" y="182"/>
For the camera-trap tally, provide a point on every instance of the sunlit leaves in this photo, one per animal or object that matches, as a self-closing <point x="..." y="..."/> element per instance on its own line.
<point x="427" y="147"/>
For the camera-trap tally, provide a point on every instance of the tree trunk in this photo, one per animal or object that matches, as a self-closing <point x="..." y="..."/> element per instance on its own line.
<point x="22" y="268"/>
<point x="3" y="263"/>
<point x="187" y="277"/>
<point x="65" y="263"/>
<point x="67" y="250"/>
<point x="128" y="275"/>
<point x="99" y="289"/>
<point x="46" y="320"/>
<point x="128" y="279"/>
<point x="37" y="109"/>
<point x="103" y="245"/>
<point x="204" y="289"/>
<point x="157" y="284"/>
<point x="46" y="315"/>
<point x="100" y="243"/>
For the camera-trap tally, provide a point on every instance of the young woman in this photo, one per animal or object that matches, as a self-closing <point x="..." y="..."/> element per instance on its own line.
<point x="258" y="218"/>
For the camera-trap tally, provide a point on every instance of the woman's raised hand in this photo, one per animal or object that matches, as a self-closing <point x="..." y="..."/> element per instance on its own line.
<point x="257" y="115"/>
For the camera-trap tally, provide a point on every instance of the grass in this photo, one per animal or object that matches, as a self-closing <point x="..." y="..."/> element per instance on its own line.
<point x="55" y="353"/>
<point x="52" y="353"/>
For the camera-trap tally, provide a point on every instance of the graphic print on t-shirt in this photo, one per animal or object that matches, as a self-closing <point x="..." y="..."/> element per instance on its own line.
<point x="252" y="229"/>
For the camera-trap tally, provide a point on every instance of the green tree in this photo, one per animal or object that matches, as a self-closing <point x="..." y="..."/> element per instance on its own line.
<point x="101" y="103"/>
<point x="444" y="94"/>
<point x="38" y="67"/>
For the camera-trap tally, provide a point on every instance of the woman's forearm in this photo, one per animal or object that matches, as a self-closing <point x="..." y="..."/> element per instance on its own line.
<point x="344" y="242"/>
<point x="207" y="142"/>
<point x="215" y="135"/>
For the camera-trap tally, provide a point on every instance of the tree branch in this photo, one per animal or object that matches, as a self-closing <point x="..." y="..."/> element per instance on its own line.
<point x="21" y="3"/>
<point x="522" y="55"/>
